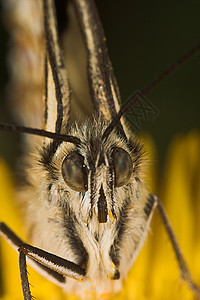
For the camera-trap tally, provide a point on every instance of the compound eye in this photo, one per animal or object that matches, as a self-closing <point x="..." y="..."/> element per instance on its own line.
<point x="75" y="172"/>
<point x="123" y="166"/>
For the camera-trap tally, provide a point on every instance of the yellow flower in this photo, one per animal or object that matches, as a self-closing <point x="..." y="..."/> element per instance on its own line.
<point x="155" y="274"/>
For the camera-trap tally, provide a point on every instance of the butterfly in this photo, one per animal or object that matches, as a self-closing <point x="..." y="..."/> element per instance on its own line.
<point x="84" y="193"/>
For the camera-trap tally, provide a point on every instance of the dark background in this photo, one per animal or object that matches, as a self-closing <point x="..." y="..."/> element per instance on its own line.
<point x="144" y="38"/>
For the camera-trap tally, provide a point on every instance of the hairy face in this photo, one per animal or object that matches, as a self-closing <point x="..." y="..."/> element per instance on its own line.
<point x="94" y="172"/>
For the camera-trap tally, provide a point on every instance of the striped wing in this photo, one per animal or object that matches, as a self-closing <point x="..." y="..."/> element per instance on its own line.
<point x="42" y="93"/>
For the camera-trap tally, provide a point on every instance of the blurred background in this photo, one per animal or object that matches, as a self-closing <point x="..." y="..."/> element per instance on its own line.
<point x="144" y="38"/>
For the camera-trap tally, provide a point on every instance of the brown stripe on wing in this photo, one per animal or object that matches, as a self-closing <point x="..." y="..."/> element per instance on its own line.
<point x="104" y="89"/>
<point x="60" y="95"/>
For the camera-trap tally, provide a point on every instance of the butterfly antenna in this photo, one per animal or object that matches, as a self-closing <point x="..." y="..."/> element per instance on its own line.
<point x="40" y="132"/>
<point x="149" y="87"/>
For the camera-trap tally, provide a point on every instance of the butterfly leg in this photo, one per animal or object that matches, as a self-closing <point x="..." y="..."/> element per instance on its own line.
<point x="52" y="266"/>
<point x="24" y="276"/>
<point x="185" y="274"/>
